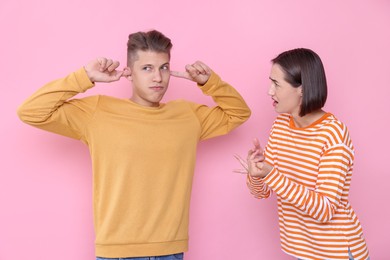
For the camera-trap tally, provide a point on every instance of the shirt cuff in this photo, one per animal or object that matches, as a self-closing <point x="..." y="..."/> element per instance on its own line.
<point x="213" y="81"/>
<point x="83" y="80"/>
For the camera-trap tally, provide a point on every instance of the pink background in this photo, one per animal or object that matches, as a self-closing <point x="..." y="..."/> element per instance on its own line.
<point x="45" y="179"/>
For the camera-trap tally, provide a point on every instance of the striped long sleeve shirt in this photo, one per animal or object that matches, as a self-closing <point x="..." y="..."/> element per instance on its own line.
<point x="311" y="178"/>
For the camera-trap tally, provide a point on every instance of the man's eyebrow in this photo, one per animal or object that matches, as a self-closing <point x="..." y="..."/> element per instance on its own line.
<point x="152" y="65"/>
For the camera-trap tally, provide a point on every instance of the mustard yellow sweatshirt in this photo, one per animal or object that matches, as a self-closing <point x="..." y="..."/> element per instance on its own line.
<point x="143" y="158"/>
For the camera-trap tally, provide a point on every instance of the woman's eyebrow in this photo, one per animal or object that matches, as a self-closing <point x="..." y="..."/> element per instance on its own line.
<point x="273" y="80"/>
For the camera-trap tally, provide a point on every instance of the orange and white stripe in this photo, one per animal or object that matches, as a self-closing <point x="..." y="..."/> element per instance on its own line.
<point x="311" y="177"/>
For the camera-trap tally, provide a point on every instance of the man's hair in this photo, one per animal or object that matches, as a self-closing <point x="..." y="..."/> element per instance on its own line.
<point x="303" y="67"/>
<point x="147" y="41"/>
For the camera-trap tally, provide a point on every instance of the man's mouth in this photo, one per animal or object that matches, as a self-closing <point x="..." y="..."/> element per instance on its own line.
<point x="157" y="88"/>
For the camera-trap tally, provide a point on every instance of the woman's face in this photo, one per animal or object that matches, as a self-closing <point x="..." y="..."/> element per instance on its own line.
<point x="286" y="98"/>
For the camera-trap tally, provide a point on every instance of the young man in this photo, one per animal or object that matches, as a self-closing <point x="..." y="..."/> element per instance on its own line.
<point x="143" y="151"/>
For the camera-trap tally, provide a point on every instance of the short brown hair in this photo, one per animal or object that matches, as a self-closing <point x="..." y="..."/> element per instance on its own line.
<point x="147" y="41"/>
<point x="303" y="67"/>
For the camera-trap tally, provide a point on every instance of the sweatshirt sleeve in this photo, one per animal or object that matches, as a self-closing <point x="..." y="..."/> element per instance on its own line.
<point x="51" y="109"/>
<point x="230" y="111"/>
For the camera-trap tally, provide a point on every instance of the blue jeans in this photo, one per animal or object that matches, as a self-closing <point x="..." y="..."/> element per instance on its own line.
<point x="162" y="257"/>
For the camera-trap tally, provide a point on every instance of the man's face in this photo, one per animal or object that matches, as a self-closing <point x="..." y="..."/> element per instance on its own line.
<point x="150" y="78"/>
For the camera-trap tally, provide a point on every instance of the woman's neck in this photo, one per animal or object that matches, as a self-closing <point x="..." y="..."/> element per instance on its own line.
<point x="307" y="119"/>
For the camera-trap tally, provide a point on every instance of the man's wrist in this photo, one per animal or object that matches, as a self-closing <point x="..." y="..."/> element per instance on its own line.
<point x="89" y="74"/>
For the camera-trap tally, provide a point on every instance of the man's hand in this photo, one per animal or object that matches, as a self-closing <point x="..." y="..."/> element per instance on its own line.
<point x="198" y="72"/>
<point x="105" y="70"/>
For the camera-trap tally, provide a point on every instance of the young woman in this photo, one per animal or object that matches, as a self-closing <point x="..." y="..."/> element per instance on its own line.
<point x="308" y="163"/>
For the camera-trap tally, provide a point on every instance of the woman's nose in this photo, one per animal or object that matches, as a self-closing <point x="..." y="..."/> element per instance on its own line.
<point x="271" y="90"/>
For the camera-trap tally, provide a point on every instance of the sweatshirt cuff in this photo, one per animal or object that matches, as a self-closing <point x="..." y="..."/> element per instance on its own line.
<point x="83" y="80"/>
<point x="213" y="81"/>
<point x="255" y="180"/>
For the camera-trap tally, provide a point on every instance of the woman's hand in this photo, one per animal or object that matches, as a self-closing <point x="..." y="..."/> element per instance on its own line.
<point x="254" y="164"/>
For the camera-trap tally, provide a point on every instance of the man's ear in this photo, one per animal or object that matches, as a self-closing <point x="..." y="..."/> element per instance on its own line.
<point x="127" y="73"/>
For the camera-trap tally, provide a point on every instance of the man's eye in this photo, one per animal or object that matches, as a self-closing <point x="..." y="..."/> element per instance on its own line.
<point x="165" y="67"/>
<point x="147" y="68"/>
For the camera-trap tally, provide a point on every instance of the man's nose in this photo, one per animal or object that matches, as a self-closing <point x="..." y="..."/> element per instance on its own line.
<point x="157" y="76"/>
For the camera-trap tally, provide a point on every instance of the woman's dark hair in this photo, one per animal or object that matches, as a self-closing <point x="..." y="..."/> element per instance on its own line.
<point x="147" y="41"/>
<point x="303" y="67"/>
